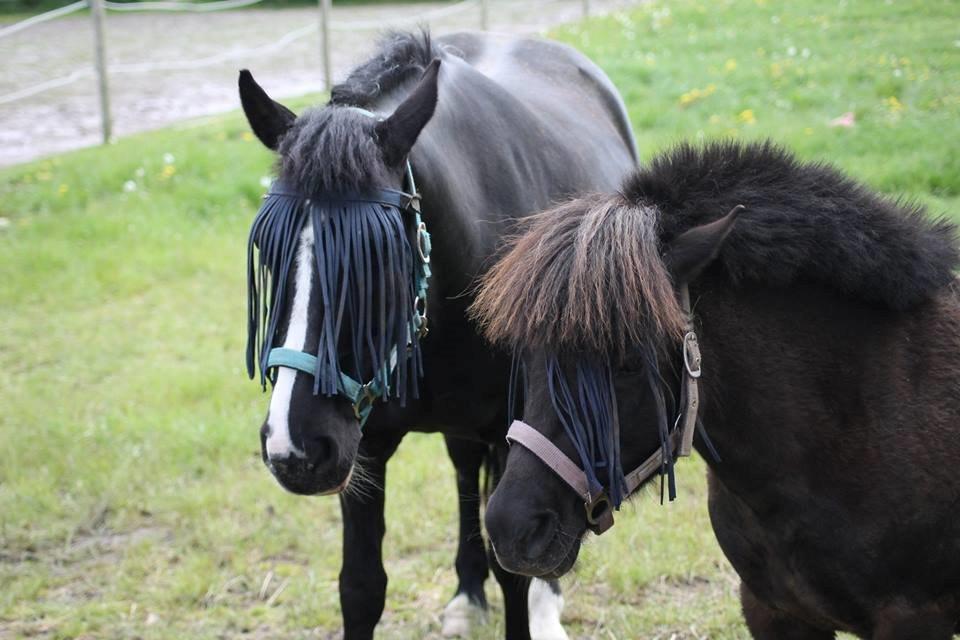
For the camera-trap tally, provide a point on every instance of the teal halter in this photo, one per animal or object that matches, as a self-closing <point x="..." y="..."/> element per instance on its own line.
<point x="362" y="395"/>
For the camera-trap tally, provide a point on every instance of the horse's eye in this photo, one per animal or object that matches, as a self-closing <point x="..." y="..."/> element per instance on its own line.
<point x="631" y="366"/>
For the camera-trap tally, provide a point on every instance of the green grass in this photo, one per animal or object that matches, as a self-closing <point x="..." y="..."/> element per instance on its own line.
<point x="132" y="499"/>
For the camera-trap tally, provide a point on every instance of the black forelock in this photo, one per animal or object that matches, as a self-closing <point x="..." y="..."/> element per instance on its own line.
<point x="803" y="222"/>
<point x="332" y="149"/>
<point x="400" y="56"/>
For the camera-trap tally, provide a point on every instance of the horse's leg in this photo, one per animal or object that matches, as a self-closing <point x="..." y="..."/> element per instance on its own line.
<point x="514" y="587"/>
<point x="469" y="603"/>
<point x="766" y="623"/>
<point x="363" y="581"/>
<point x="545" y="604"/>
<point x="901" y="623"/>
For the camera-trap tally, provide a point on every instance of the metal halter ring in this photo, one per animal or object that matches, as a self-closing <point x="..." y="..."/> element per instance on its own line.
<point x="420" y="311"/>
<point x="423" y="243"/>
<point x="597" y="509"/>
<point x="365" y="399"/>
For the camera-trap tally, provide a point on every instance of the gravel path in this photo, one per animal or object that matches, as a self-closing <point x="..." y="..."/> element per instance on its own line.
<point x="158" y="73"/>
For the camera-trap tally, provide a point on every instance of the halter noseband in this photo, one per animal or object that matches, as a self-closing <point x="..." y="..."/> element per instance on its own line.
<point x="595" y="501"/>
<point x="363" y="394"/>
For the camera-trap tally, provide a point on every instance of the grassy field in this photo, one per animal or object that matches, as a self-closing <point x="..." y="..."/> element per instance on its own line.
<point x="132" y="499"/>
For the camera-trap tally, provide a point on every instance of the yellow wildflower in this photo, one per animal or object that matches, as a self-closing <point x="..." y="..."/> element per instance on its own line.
<point x="246" y="136"/>
<point x="894" y="104"/>
<point x="730" y="65"/>
<point x="746" y="116"/>
<point x="695" y="95"/>
<point x="168" y="171"/>
<point x="62" y="189"/>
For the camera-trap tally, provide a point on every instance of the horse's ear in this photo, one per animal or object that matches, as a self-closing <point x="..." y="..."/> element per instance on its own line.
<point x="399" y="132"/>
<point x="690" y="253"/>
<point x="269" y="120"/>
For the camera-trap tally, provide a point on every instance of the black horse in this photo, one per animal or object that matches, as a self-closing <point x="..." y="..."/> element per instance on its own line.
<point x="494" y="128"/>
<point x="828" y="320"/>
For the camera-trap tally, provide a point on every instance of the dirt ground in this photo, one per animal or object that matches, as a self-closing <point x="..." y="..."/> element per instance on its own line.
<point x="166" y="67"/>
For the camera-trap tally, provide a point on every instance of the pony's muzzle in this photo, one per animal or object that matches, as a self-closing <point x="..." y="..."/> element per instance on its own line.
<point x="316" y="469"/>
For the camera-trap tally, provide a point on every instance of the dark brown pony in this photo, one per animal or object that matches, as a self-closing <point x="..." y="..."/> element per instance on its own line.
<point x="829" y="324"/>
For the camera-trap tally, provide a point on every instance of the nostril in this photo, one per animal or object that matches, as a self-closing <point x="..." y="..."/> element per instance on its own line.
<point x="265" y="431"/>
<point x="542" y="530"/>
<point x="320" y="451"/>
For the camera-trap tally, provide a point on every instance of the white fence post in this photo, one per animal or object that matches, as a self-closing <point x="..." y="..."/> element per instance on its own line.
<point x="325" y="43"/>
<point x="484" y="16"/>
<point x="96" y="11"/>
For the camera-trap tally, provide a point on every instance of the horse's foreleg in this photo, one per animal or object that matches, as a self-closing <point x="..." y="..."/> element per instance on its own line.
<point x="469" y="602"/>
<point x="363" y="581"/>
<point x="766" y="623"/>
<point x="908" y="623"/>
<point x="514" y="587"/>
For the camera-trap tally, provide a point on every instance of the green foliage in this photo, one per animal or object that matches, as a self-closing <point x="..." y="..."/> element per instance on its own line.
<point x="132" y="499"/>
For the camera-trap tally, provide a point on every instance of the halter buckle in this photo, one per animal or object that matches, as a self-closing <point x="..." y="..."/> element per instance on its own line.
<point x="691" y="355"/>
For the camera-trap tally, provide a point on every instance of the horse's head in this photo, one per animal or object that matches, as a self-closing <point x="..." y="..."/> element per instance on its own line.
<point x="336" y="267"/>
<point x="588" y="299"/>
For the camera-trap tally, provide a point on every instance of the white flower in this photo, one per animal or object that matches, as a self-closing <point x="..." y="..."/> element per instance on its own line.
<point x="140" y="172"/>
<point x="265" y="181"/>
<point x="4" y="223"/>
<point x="805" y="53"/>
<point x="791" y="51"/>
<point x="129" y="186"/>
<point x="168" y="158"/>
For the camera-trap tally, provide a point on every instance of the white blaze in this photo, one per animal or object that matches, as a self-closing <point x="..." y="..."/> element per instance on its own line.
<point x="279" y="444"/>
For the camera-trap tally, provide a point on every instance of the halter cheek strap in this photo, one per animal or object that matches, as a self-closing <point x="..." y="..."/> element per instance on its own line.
<point x="598" y="508"/>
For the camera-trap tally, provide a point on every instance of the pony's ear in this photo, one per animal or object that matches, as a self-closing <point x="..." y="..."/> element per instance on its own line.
<point x="269" y="120"/>
<point x="690" y="252"/>
<point x="399" y="132"/>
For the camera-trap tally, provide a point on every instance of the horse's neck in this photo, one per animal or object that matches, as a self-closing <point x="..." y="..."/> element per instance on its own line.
<point x="787" y="370"/>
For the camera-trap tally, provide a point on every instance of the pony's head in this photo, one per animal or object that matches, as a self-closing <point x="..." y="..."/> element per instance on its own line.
<point x="587" y="299"/>
<point x="335" y="268"/>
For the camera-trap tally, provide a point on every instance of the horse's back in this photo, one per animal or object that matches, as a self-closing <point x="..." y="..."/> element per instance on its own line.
<point x="565" y="89"/>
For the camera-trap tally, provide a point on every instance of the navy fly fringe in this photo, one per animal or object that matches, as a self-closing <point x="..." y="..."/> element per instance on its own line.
<point x="587" y="409"/>
<point x="655" y="382"/>
<point x="588" y="412"/>
<point x="364" y="261"/>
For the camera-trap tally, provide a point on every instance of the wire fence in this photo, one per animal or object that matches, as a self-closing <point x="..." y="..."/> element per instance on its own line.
<point x="100" y="69"/>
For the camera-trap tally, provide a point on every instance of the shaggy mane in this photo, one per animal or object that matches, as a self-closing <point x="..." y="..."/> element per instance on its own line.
<point x="803" y="222"/>
<point x="400" y="56"/>
<point x="588" y="275"/>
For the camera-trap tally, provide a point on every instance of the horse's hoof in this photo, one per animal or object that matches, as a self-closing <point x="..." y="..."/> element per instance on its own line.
<point x="460" y="616"/>
<point x="545" y="606"/>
